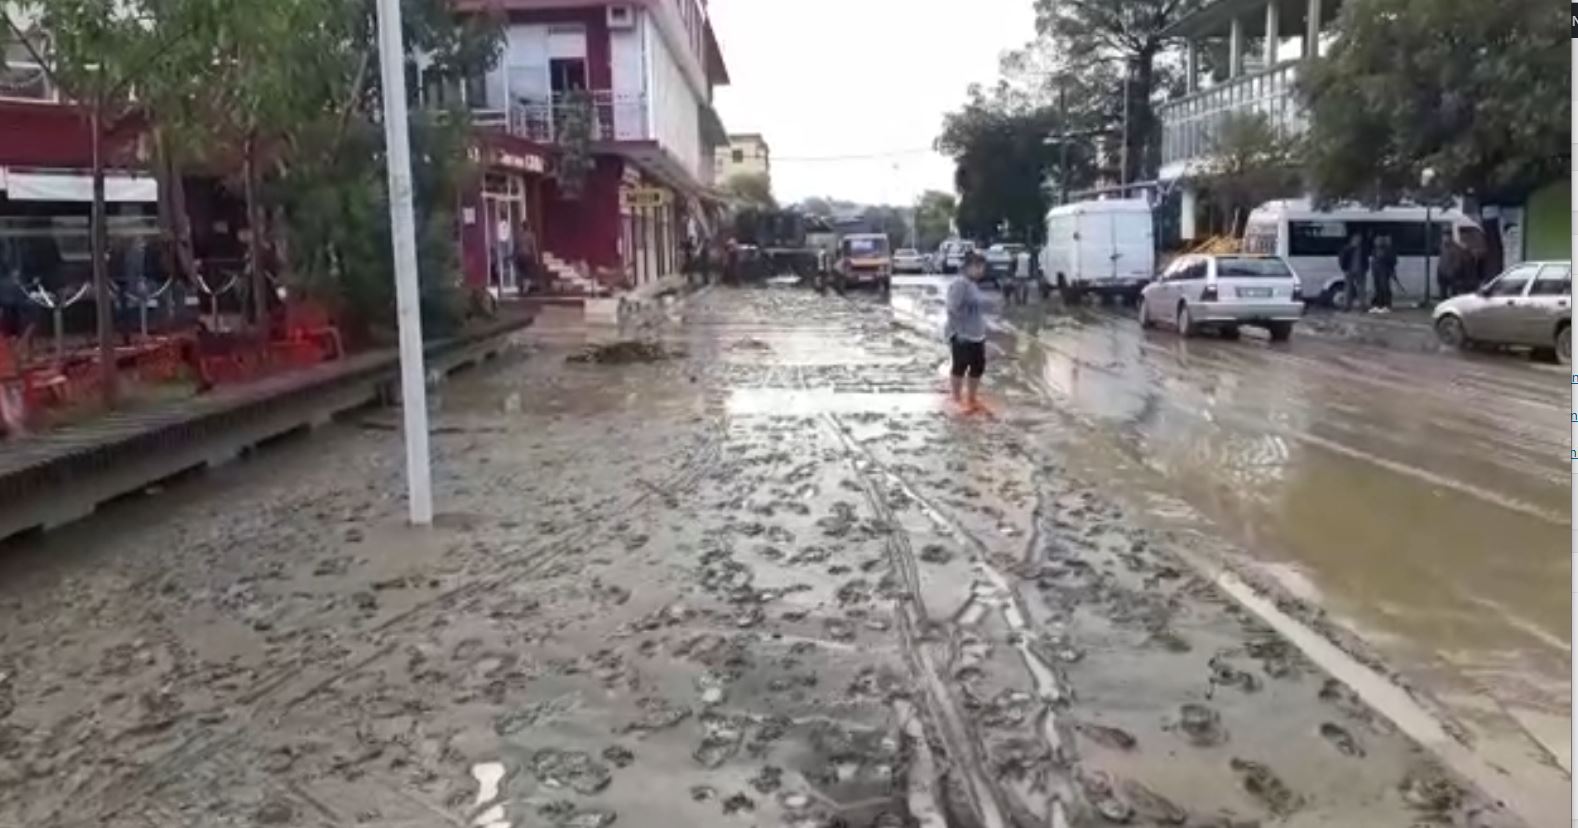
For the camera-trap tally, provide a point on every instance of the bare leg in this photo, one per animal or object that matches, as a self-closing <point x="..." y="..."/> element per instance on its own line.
<point x="955" y="385"/>
<point x="972" y="387"/>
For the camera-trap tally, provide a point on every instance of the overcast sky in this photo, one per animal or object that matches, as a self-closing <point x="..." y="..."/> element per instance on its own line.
<point x="871" y="78"/>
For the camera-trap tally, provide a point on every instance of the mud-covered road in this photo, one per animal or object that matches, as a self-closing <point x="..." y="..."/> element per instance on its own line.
<point x="755" y="573"/>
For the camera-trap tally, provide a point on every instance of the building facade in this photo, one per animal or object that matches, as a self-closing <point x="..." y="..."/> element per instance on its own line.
<point x="45" y="173"/>
<point x="745" y="154"/>
<point x="1242" y="57"/>
<point x="642" y="73"/>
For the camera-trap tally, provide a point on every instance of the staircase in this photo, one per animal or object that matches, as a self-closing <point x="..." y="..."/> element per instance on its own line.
<point x="569" y="280"/>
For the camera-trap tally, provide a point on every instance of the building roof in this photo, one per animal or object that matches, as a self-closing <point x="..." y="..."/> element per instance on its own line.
<point x="747" y="138"/>
<point x="1215" y="18"/>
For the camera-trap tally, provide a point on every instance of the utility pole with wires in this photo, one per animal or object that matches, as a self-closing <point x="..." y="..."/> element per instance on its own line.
<point x="402" y="225"/>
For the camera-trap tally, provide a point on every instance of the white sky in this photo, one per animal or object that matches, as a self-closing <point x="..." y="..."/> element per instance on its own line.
<point x="823" y="78"/>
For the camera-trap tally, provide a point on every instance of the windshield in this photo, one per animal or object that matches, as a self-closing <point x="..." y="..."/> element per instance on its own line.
<point x="866" y="246"/>
<point x="1245" y="268"/>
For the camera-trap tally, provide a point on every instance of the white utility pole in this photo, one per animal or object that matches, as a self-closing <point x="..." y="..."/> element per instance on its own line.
<point x="402" y="224"/>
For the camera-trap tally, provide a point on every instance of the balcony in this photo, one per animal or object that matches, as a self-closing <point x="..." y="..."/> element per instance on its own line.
<point x="615" y="117"/>
<point x="1190" y="124"/>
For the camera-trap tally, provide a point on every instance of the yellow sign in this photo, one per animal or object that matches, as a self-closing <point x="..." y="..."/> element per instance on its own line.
<point x="642" y="198"/>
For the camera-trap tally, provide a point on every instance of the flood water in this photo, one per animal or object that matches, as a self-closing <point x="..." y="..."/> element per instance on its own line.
<point x="1421" y="498"/>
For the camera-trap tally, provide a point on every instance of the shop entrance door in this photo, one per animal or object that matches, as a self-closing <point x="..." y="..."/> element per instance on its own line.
<point x="504" y="211"/>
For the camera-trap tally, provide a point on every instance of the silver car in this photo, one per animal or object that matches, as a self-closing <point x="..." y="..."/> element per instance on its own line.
<point x="909" y="260"/>
<point x="1224" y="293"/>
<point x="1528" y="305"/>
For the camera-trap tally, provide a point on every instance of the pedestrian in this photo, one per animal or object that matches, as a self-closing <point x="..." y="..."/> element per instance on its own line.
<point x="526" y="260"/>
<point x="1453" y="275"/>
<point x="1021" y="277"/>
<point x="966" y="332"/>
<point x="1354" y="261"/>
<point x="1383" y="270"/>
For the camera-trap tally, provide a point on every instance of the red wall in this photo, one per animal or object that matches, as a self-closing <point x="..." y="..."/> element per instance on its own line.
<point x="49" y="135"/>
<point x="599" y="62"/>
<point x="586" y="228"/>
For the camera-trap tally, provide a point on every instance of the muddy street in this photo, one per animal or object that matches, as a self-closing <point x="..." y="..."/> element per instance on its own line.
<point x="753" y="571"/>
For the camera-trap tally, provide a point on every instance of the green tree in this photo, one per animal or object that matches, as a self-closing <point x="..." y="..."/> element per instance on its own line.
<point x="1249" y="164"/>
<point x="1121" y="44"/>
<point x="753" y="189"/>
<point x="934" y="218"/>
<point x="1003" y="165"/>
<point x="1477" y="92"/>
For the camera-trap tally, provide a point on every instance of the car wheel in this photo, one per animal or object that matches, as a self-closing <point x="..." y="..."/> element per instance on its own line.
<point x="1280" y="331"/>
<point x="1185" y="322"/>
<point x="1230" y="332"/>
<point x="1564" y="345"/>
<point x="1450" y="330"/>
<point x="1145" y="315"/>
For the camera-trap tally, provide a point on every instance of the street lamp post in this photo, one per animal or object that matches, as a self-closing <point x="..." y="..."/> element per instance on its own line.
<point x="402" y="225"/>
<point x="1427" y="177"/>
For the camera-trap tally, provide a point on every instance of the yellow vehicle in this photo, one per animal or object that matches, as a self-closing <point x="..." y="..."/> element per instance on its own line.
<point x="865" y="258"/>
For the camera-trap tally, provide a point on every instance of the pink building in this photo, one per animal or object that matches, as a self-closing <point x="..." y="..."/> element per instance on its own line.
<point x="649" y="68"/>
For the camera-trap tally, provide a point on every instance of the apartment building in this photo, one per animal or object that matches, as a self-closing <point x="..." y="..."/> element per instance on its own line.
<point x="648" y="68"/>
<point x="746" y="153"/>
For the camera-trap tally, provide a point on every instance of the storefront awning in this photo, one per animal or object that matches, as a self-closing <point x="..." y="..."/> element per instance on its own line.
<point x="21" y="185"/>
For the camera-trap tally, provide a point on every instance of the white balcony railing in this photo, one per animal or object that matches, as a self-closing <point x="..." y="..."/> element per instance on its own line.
<point x="1190" y="125"/>
<point x="615" y="117"/>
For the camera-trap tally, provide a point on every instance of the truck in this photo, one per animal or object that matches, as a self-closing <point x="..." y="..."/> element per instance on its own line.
<point x="1106" y="248"/>
<point x="864" y="258"/>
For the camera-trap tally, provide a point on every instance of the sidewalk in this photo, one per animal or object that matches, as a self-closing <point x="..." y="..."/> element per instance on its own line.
<point x="1405" y="329"/>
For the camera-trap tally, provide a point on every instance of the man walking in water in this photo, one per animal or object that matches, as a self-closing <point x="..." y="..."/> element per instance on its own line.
<point x="966" y="332"/>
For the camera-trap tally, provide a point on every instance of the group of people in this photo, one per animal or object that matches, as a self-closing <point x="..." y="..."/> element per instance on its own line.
<point x="1459" y="270"/>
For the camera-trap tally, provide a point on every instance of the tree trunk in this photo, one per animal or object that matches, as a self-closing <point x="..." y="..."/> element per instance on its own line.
<point x="1138" y="137"/>
<point x="98" y="244"/>
<point x="259" y="279"/>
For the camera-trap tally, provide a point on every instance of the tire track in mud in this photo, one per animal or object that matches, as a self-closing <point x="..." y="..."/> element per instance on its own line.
<point x="990" y="800"/>
<point x="947" y="719"/>
<point x="119" y="794"/>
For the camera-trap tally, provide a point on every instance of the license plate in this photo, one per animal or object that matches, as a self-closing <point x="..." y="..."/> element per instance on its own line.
<point x="1254" y="293"/>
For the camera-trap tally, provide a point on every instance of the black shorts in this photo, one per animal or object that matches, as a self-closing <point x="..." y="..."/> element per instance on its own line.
<point x="968" y="357"/>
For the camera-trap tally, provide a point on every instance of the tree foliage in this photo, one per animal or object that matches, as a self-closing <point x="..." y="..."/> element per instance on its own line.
<point x="1002" y="164"/>
<point x="281" y="100"/>
<point x="1476" y="91"/>
<point x="934" y="218"/>
<point x="1248" y="164"/>
<point x="753" y="189"/>
<point x="1112" y="40"/>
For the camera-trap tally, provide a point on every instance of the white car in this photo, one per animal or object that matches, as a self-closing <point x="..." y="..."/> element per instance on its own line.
<point x="951" y="254"/>
<point x="1528" y="305"/>
<point x="1225" y="292"/>
<point x="909" y="260"/>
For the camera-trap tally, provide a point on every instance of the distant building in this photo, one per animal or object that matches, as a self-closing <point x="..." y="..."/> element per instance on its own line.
<point x="746" y="153"/>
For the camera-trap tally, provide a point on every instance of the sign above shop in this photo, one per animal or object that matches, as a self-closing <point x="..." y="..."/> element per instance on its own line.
<point x="646" y="197"/>
<point x="518" y="162"/>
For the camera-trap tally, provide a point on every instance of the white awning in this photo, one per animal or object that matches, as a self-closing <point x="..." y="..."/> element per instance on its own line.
<point x="73" y="186"/>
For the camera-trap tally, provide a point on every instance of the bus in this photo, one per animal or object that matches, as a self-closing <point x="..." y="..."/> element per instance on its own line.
<point x="1310" y="239"/>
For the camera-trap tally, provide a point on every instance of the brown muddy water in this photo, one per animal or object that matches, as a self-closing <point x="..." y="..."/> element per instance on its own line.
<point x="766" y="577"/>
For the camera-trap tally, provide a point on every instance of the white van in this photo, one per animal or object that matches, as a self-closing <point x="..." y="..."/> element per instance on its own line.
<point x="1103" y="247"/>
<point x="1309" y="240"/>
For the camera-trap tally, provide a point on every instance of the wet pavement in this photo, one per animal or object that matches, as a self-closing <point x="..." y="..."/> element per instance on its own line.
<point x="759" y="573"/>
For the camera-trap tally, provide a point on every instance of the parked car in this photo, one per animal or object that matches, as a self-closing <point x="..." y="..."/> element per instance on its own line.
<point x="1106" y="248"/>
<point x="1529" y="305"/>
<point x="951" y="254"/>
<point x="909" y="260"/>
<point x="1224" y="293"/>
<point x="1000" y="261"/>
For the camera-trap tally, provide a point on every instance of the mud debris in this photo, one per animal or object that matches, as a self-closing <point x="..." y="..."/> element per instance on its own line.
<point x="625" y="352"/>
<point x="572" y="769"/>
<point x="1264" y="785"/>
<point x="1201" y="725"/>
<point x="1339" y="737"/>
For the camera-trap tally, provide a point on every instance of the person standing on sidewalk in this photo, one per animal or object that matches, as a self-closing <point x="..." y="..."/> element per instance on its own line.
<point x="966" y="332"/>
<point x="1355" y="269"/>
<point x="1383" y="270"/>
